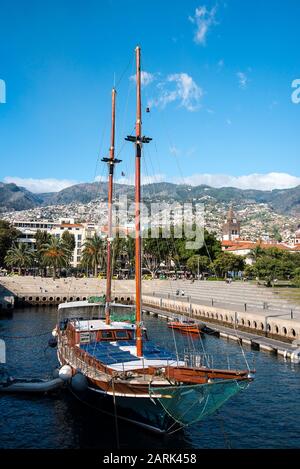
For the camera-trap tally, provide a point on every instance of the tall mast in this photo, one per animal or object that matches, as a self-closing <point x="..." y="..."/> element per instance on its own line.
<point x="138" y="244"/>
<point x="138" y="140"/>
<point x="111" y="161"/>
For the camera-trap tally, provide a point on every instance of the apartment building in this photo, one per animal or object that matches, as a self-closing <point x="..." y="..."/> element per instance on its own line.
<point x="81" y="232"/>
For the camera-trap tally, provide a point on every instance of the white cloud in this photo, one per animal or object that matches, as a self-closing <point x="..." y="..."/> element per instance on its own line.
<point x="257" y="181"/>
<point x="243" y="79"/>
<point x="41" y="185"/>
<point x="204" y="19"/>
<point x="185" y="91"/>
<point x="101" y="178"/>
<point x="146" y="78"/>
<point x="144" y="179"/>
<point x="267" y="181"/>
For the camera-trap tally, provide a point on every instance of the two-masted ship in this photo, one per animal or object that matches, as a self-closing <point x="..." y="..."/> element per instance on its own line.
<point x="108" y="359"/>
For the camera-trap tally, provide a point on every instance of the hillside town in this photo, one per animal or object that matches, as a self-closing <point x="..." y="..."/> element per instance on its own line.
<point x="239" y="231"/>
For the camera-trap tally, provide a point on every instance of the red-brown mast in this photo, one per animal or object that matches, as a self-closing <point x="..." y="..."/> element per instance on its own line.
<point x="111" y="163"/>
<point x="138" y="254"/>
<point x="138" y="140"/>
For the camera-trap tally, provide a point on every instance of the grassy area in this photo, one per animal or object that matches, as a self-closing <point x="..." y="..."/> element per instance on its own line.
<point x="287" y="291"/>
<point x="284" y="289"/>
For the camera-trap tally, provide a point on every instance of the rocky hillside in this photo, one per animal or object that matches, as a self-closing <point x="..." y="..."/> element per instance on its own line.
<point x="285" y="201"/>
<point x="13" y="197"/>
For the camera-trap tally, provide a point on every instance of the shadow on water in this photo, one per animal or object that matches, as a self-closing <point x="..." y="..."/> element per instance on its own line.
<point x="266" y="415"/>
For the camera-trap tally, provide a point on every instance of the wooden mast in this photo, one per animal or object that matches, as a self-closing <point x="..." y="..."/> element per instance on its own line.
<point x="138" y="140"/>
<point x="138" y="244"/>
<point x="111" y="163"/>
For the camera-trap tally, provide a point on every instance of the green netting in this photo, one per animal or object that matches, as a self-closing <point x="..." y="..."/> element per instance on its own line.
<point x="96" y="299"/>
<point x="129" y="317"/>
<point x="188" y="404"/>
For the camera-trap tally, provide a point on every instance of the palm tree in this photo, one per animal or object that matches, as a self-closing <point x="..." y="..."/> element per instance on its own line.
<point x="93" y="253"/>
<point x="41" y="238"/>
<point x="55" y="254"/>
<point x="20" y="256"/>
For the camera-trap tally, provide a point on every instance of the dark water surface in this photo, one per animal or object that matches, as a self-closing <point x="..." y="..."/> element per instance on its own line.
<point x="266" y="415"/>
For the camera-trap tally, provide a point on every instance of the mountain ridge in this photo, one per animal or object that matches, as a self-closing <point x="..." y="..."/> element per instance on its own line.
<point x="13" y="197"/>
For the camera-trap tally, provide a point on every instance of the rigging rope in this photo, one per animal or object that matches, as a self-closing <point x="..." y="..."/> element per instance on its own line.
<point x="190" y="338"/>
<point x="204" y="242"/>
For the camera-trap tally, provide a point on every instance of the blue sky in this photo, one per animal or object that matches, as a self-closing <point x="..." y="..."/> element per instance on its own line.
<point x="217" y="77"/>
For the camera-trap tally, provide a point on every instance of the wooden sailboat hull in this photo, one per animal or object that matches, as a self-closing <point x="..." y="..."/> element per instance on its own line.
<point x="138" y="408"/>
<point x="142" y="411"/>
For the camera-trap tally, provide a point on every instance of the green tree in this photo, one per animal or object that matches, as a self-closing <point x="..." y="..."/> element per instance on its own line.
<point x="270" y="268"/>
<point x="19" y="256"/>
<point x="41" y="237"/>
<point x="69" y="240"/>
<point x="256" y="253"/>
<point x="130" y="252"/>
<point x="197" y="263"/>
<point x="55" y="254"/>
<point x="93" y="253"/>
<point x="228" y="262"/>
<point x="8" y="235"/>
<point x="296" y="277"/>
<point x="211" y="248"/>
<point x="158" y="250"/>
<point x="118" y="249"/>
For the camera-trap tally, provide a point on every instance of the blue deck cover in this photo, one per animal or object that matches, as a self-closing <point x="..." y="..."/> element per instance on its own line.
<point x="109" y="354"/>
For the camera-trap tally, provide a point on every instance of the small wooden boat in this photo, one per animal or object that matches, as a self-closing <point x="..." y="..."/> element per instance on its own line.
<point x="185" y="325"/>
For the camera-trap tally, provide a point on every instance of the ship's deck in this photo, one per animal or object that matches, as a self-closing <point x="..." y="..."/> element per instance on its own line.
<point x="116" y="354"/>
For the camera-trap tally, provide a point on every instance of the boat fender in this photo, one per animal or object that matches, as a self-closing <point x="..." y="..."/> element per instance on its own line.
<point x="65" y="373"/>
<point x="54" y="332"/>
<point x="79" y="382"/>
<point x="52" y="342"/>
<point x="295" y="356"/>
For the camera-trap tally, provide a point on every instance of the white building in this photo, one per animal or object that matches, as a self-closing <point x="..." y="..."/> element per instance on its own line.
<point x="81" y="232"/>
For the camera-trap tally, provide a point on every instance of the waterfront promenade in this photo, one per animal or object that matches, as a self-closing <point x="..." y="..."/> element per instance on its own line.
<point x="239" y="304"/>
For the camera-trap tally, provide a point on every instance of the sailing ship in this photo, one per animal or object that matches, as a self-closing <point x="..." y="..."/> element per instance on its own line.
<point x="110" y="362"/>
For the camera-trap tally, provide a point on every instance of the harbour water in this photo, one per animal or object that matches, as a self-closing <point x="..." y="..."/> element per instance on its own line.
<point x="265" y="415"/>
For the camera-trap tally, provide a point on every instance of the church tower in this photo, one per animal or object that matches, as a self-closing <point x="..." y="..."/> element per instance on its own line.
<point x="231" y="227"/>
